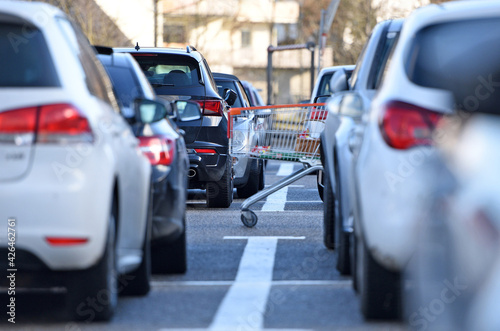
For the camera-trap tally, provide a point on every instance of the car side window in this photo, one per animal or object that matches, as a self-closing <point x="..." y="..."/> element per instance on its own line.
<point x="355" y="73"/>
<point x="384" y="60"/>
<point x="96" y="79"/>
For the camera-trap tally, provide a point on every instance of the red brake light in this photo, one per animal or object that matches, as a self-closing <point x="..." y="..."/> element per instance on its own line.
<point x="205" y="151"/>
<point x="62" y="122"/>
<point x="159" y="150"/>
<point x="211" y="107"/>
<point x="404" y="125"/>
<point x="57" y="123"/>
<point x="62" y="241"/>
<point x="18" y="121"/>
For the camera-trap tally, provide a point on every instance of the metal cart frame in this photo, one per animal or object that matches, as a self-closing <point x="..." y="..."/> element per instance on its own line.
<point x="286" y="133"/>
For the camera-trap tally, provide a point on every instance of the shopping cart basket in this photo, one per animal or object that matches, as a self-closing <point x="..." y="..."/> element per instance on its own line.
<point x="285" y="133"/>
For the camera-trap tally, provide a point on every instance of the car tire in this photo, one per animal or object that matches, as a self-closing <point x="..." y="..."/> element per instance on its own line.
<point x="341" y="237"/>
<point x="354" y="255"/>
<point x="252" y="185"/>
<point x="380" y="290"/>
<point x="99" y="283"/>
<point x="328" y="216"/>
<point x="262" y="175"/>
<point x="321" y="188"/>
<point x="137" y="282"/>
<point x="170" y="258"/>
<point x="220" y="194"/>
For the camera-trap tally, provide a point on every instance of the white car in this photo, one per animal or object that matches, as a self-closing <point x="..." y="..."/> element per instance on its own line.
<point x="322" y="86"/>
<point x="437" y="50"/>
<point x="74" y="185"/>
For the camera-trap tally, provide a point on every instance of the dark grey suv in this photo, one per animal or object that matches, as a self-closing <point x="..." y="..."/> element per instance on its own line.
<point x="184" y="74"/>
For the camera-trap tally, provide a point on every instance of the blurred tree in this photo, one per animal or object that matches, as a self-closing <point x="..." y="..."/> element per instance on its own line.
<point x="350" y="29"/>
<point x="99" y="28"/>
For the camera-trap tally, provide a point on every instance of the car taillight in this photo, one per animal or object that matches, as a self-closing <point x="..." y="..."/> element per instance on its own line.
<point x="66" y="241"/>
<point x="211" y="107"/>
<point x="205" y="151"/>
<point x="158" y="149"/>
<point x="57" y="123"/>
<point x="62" y="123"/>
<point x="404" y="125"/>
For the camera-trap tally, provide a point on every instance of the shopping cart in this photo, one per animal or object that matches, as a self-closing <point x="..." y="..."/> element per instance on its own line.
<point x="285" y="133"/>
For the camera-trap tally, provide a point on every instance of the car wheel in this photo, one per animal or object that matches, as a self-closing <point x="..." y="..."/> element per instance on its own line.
<point x="97" y="284"/>
<point x="328" y="216"/>
<point x="321" y="188"/>
<point x="354" y="255"/>
<point x="341" y="237"/>
<point x="170" y="258"/>
<point x="220" y="194"/>
<point x="138" y="281"/>
<point x="380" y="289"/>
<point x="262" y="175"/>
<point x="252" y="185"/>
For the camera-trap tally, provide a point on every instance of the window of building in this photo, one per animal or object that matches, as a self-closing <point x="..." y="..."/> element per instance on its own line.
<point x="174" y="34"/>
<point x="246" y="38"/>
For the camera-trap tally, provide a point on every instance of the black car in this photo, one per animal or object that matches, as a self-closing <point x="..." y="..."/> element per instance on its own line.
<point x="248" y="172"/>
<point x="162" y="142"/>
<point x="184" y="74"/>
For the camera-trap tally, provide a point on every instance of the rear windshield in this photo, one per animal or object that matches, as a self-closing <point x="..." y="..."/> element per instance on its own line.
<point x="169" y="70"/>
<point x="462" y="57"/>
<point x="24" y="58"/>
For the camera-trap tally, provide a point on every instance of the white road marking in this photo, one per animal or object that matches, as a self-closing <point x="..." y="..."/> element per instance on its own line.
<point x="244" y="305"/>
<point x="286" y="169"/>
<point x="276" y="201"/>
<point x="330" y="283"/>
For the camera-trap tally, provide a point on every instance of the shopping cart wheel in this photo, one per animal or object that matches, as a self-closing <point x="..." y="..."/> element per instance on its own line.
<point x="249" y="218"/>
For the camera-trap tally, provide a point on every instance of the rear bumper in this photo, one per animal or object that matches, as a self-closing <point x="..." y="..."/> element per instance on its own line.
<point x="207" y="168"/>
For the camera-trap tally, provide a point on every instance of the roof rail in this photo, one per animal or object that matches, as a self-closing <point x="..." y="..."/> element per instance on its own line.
<point x="191" y="48"/>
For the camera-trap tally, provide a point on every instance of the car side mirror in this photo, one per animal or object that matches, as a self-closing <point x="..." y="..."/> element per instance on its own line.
<point x="338" y="82"/>
<point x="149" y="111"/>
<point x="352" y="106"/>
<point x="230" y="96"/>
<point x="187" y="110"/>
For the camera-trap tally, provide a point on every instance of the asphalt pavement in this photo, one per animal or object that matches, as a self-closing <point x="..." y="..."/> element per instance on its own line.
<point x="275" y="276"/>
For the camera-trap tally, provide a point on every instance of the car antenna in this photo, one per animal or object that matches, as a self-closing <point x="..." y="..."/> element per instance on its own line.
<point x="137" y="48"/>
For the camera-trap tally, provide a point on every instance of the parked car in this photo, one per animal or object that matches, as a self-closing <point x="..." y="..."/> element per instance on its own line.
<point x="397" y="141"/>
<point x="163" y="143"/>
<point x="345" y="109"/>
<point x="321" y="92"/>
<point x="73" y="182"/>
<point x="178" y="74"/>
<point x="456" y="263"/>
<point x="248" y="172"/>
<point x="322" y="86"/>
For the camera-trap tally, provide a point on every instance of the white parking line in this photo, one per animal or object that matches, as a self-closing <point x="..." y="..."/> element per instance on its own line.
<point x="208" y="283"/>
<point x="244" y="305"/>
<point x="286" y="169"/>
<point x="276" y="201"/>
